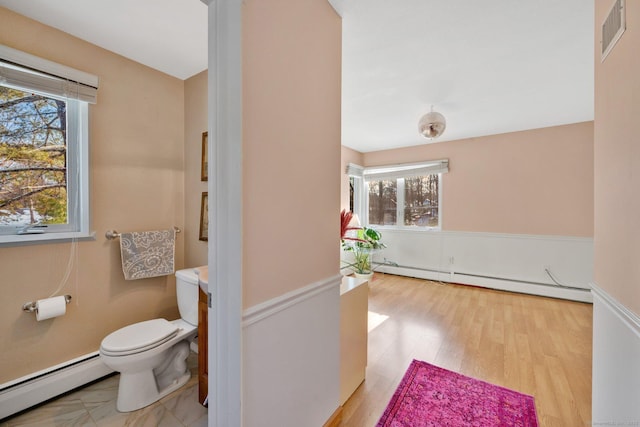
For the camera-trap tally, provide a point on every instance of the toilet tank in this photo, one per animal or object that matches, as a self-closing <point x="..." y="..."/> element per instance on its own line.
<point x="187" y="295"/>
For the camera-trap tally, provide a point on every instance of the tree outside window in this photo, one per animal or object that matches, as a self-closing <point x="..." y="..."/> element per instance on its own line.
<point x="421" y="201"/>
<point x="383" y="202"/>
<point x="33" y="158"/>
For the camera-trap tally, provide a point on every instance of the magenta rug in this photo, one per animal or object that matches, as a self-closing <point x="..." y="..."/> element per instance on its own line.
<point x="429" y="396"/>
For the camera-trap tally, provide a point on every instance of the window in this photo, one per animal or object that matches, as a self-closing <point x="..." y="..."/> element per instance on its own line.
<point x="402" y="195"/>
<point x="383" y="202"/>
<point x="412" y="201"/>
<point x="43" y="150"/>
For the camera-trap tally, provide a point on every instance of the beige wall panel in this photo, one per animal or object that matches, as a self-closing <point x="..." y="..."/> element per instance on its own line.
<point x="137" y="160"/>
<point x="617" y="161"/>
<point x="532" y="182"/>
<point x="291" y="145"/>
<point x="195" y="122"/>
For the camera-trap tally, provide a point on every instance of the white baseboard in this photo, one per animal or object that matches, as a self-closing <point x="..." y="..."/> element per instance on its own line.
<point x="616" y="352"/>
<point x="291" y="357"/>
<point x="540" y="289"/>
<point x="28" y="391"/>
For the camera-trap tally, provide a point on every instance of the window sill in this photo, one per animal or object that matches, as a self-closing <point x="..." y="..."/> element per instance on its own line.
<point x="7" y="240"/>
<point x="406" y="228"/>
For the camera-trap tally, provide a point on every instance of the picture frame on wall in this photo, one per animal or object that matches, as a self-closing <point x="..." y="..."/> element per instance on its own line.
<point x="204" y="217"/>
<point x="204" y="175"/>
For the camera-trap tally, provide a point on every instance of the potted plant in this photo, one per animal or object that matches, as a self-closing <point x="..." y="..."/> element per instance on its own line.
<point x="365" y="242"/>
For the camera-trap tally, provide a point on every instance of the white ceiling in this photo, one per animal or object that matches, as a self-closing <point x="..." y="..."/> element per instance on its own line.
<point x="490" y="66"/>
<point x="168" y="35"/>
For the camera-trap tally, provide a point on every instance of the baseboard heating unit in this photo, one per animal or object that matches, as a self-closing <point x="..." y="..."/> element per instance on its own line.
<point x="553" y="290"/>
<point x="30" y="390"/>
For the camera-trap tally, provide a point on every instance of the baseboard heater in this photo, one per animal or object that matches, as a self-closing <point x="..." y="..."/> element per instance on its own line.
<point x="30" y="390"/>
<point x="505" y="284"/>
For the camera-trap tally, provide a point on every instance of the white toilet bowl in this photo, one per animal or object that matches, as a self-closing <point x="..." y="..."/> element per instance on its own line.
<point x="151" y="355"/>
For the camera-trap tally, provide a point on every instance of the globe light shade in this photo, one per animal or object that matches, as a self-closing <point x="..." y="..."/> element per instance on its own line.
<point x="432" y="125"/>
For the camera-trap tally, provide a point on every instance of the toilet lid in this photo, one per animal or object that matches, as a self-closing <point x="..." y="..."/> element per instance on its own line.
<point x="139" y="336"/>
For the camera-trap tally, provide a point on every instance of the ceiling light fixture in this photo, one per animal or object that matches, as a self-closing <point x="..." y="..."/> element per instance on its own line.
<point x="432" y="124"/>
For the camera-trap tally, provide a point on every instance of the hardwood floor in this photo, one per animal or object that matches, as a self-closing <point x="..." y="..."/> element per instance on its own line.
<point x="535" y="345"/>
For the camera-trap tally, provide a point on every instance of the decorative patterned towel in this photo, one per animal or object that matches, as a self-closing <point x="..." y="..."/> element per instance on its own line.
<point x="147" y="253"/>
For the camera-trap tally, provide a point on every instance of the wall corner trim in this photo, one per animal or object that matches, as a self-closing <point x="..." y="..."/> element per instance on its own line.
<point x="268" y="308"/>
<point x="631" y="319"/>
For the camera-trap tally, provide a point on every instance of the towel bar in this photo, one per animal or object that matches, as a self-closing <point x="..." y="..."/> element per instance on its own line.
<point x="113" y="234"/>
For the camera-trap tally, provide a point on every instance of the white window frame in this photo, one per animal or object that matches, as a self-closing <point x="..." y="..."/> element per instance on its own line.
<point x="360" y="200"/>
<point x="359" y="203"/>
<point x="83" y="87"/>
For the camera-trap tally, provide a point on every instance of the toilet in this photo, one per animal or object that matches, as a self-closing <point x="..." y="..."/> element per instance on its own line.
<point x="151" y="356"/>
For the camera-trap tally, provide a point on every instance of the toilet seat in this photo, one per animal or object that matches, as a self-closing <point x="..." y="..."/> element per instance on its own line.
<point x="138" y="337"/>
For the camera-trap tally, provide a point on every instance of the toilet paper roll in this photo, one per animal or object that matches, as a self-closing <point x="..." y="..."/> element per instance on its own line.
<point x="50" y="307"/>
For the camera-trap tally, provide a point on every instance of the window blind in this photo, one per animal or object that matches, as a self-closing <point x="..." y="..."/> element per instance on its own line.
<point x="354" y="170"/>
<point x="22" y="70"/>
<point x="406" y="170"/>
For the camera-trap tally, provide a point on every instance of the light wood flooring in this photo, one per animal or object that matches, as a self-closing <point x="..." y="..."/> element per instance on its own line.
<point x="535" y="345"/>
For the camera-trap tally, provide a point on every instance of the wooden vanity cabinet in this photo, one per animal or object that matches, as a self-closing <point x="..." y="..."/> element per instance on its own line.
<point x="203" y="372"/>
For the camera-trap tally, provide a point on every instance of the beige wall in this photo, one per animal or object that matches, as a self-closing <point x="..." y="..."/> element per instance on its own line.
<point x="348" y="156"/>
<point x="291" y="145"/>
<point x="195" y="122"/>
<point x="137" y="183"/>
<point x="532" y="182"/>
<point x="617" y="161"/>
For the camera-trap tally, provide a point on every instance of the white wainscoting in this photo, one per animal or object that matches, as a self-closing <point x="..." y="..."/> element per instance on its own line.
<point x="291" y="353"/>
<point x="510" y="262"/>
<point x="616" y="362"/>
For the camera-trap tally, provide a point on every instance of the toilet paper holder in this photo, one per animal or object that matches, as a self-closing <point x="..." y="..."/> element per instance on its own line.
<point x="31" y="306"/>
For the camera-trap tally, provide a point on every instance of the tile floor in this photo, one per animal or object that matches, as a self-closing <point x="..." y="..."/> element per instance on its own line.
<point x="95" y="405"/>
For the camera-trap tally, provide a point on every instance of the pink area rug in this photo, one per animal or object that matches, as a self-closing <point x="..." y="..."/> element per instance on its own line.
<point x="429" y="396"/>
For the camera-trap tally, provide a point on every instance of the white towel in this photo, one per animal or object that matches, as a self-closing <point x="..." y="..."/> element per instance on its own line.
<point x="147" y="253"/>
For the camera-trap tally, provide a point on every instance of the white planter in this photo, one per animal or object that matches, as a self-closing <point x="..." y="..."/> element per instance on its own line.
<point x="365" y="276"/>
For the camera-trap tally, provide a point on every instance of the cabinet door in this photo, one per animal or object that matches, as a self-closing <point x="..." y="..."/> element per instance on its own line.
<point x="203" y="372"/>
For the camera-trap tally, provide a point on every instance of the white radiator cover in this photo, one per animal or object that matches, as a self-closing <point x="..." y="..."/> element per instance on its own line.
<point x="38" y="387"/>
<point x="512" y="262"/>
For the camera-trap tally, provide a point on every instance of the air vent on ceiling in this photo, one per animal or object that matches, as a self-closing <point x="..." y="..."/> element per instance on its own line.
<point x="613" y="27"/>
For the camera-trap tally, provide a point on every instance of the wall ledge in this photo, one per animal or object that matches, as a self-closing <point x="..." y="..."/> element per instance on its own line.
<point x="631" y="320"/>
<point x="268" y="308"/>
